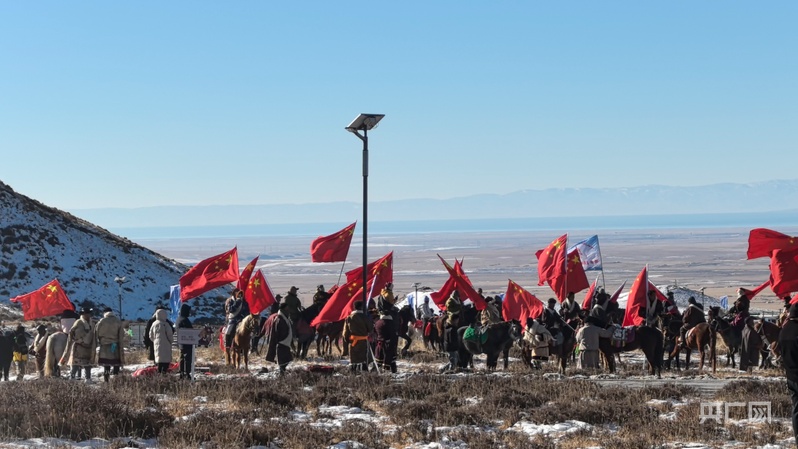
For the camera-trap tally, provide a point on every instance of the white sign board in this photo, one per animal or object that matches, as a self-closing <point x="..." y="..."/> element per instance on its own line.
<point x="188" y="336"/>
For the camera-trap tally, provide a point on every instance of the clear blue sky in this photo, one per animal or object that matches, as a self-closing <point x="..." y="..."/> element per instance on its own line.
<point x="134" y="104"/>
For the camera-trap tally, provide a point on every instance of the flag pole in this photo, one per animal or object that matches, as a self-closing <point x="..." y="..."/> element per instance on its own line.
<point x="646" y="281"/>
<point x="342" y="272"/>
<point x="601" y="261"/>
<point x="566" y="269"/>
<point x="371" y="353"/>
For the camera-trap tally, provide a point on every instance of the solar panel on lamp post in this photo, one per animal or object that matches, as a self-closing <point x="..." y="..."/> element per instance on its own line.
<point x="365" y="122"/>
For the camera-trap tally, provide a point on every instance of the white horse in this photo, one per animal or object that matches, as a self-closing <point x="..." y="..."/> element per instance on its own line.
<point x="56" y="345"/>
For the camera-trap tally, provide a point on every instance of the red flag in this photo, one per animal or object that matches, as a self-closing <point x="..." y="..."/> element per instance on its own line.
<point x="660" y="296"/>
<point x="572" y="280"/>
<point x="638" y="295"/>
<point x="784" y="272"/>
<point x="762" y="242"/>
<point x="243" y="280"/>
<point x="440" y="297"/>
<point x="519" y="304"/>
<point x="587" y="304"/>
<point x="357" y="273"/>
<point x="614" y="297"/>
<point x="751" y="293"/>
<point x="464" y="286"/>
<point x="334" y="247"/>
<point x="211" y="273"/>
<point x="339" y="306"/>
<point x="551" y="260"/>
<point x="48" y="300"/>
<point x="794" y="300"/>
<point x="258" y="294"/>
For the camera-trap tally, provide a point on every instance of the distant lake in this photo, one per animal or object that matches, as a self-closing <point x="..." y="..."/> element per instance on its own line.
<point x="777" y="220"/>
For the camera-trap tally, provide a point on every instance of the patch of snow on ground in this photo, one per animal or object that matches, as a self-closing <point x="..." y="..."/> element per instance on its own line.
<point x="550" y="429"/>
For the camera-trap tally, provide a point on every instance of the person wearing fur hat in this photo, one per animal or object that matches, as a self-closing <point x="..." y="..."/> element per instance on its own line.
<point x="81" y="346"/>
<point x="788" y="341"/>
<point x="321" y="296"/>
<point x="162" y="335"/>
<point x="39" y="348"/>
<point x="293" y="306"/>
<point x="111" y="337"/>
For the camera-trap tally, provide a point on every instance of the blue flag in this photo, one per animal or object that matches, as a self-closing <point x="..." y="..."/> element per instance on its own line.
<point x="174" y="300"/>
<point x="724" y="302"/>
<point x="589" y="252"/>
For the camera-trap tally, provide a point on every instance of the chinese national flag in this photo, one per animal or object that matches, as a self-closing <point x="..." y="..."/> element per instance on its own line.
<point x="519" y="304"/>
<point x="340" y="304"/>
<point x="614" y="297"/>
<point x="440" y="297"/>
<point x="572" y="280"/>
<point x="751" y="293"/>
<point x="243" y="280"/>
<point x="551" y="260"/>
<point x="332" y="248"/>
<point x="587" y="304"/>
<point x="638" y="295"/>
<point x="784" y="272"/>
<point x="464" y="286"/>
<point x="48" y="300"/>
<point x="211" y="273"/>
<point x="762" y="242"/>
<point x="660" y="296"/>
<point x="382" y="266"/>
<point x="258" y="294"/>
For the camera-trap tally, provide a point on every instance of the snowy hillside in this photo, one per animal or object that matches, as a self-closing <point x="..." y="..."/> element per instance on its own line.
<point x="39" y="243"/>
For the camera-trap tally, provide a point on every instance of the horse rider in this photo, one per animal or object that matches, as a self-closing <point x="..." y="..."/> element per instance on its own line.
<point x="553" y="321"/>
<point x="538" y="338"/>
<point x="235" y="309"/>
<point x="570" y="309"/>
<point x="670" y="305"/>
<point x="321" y="296"/>
<point x="424" y="310"/>
<point x="490" y="314"/>
<point x="692" y="316"/>
<point x="740" y="311"/>
<point x="293" y="306"/>
<point x="453" y="306"/>
<point x="653" y="310"/>
<point x="785" y="313"/>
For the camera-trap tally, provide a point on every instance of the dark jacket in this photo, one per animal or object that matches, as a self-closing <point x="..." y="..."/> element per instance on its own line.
<point x="788" y="341"/>
<point x="693" y="315"/>
<point x="183" y="321"/>
<point x="20" y="341"/>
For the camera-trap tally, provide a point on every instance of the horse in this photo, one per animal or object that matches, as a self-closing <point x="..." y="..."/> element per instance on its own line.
<point x="429" y="332"/>
<point x="327" y="334"/>
<point x="671" y="329"/>
<point x="54" y="350"/>
<point x="305" y="333"/>
<point x="500" y="338"/>
<point x="565" y="349"/>
<point x="732" y="337"/>
<point x="241" y="340"/>
<point x="407" y="318"/>
<point x="699" y="337"/>
<point x="468" y="317"/>
<point x="648" y="339"/>
<point x="769" y="332"/>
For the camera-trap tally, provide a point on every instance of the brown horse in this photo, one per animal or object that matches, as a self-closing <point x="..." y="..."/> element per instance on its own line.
<point x="326" y="335"/>
<point x="732" y="337"/>
<point x="647" y="339"/>
<point x="700" y="337"/>
<point x="771" y="352"/>
<point x="241" y="340"/>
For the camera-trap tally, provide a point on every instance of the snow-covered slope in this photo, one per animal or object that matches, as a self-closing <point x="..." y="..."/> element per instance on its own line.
<point x="39" y="243"/>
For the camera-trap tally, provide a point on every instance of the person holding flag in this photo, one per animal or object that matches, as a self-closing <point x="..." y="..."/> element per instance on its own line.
<point x="570" y="310"/>
<point x="453" y="306"/>
<point x="653" y="309"/>
<point x="235" y="309"/>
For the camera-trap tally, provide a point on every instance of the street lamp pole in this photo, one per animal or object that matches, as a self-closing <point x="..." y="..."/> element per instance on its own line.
<point x="416" y="285"/>
<point x="365" y="122"/>
<point x="120" y="281"/>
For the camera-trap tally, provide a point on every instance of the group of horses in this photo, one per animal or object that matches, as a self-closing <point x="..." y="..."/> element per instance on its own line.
<point x="55" y="348"/>
<point x="655" y="342"/>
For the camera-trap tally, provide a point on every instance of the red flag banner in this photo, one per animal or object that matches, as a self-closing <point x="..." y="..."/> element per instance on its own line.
<point x="573" y="279"/>
<point x="614" y="297"/>
<point x="638" y="295"/>
<point x="784" y="272"/>
<point x="243" y="280"/>
<point x="519" y="304"/>
<point x="762" y="242"/>
<point x="258" y="294"/>
<point x="751" y="293"/>
<point x="372" y="268"/>
<point x="211" y="273"/>
<point x="339" y="306"/>
<point x="551" y="260"/>
<point x="464" y="286"/>
<point x="587" y="304"/>
<point x="440" y="297"/>
<point x="334" y="247"/>
<point x="49" y="300"/>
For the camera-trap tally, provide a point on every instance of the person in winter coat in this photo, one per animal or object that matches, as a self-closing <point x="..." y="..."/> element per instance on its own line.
<point x="147" y="342"/>
<point x="750" y="346"/>
<point x="387" y="339"/>
<point x="692" y="316"/>
<point x="279" y="334"/>
<point x="538" y="338"/>
<point x="453" y="305"/>
<point x="357" y="328"/>
<point x="490" y="314"/>
<point x="81" y="346"/>
<point x="451" y="343"/>
<point x="788" y="342"/>
<point x="293" y="305"/>
<point x="68" y="318"/>
<point x="111" y="337"/>
<point x="39" y="348"/>
<point x="162" y="335"/>
<point x="587" y="339"/>
<point x="186" y="351"/>
<point x="19" y="343"/>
